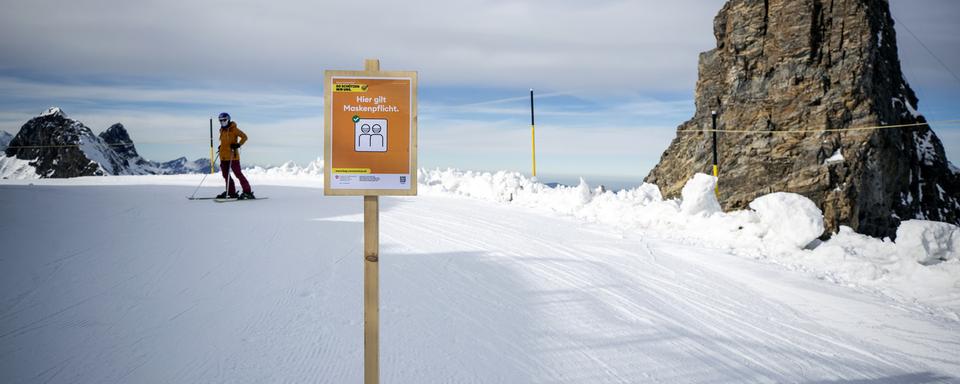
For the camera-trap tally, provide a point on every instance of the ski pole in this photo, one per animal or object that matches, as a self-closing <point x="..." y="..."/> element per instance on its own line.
<point x="211" y="146"/>
<point x="198" y="186"/>
<point x="212" y="162"/>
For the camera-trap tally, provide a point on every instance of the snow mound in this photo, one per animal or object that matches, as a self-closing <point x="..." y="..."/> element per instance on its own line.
<point x="852" y="257"/>
<point x="501" y="186"/>
<point x="699" y="196"/>
<point x="928" y="242"/>
<point x="791" y="219"/>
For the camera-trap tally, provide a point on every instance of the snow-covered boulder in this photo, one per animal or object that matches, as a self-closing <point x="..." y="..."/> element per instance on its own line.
<point x="699" y="196"/>
<point x="928" y="242"/>
<point x="790" y="219"/>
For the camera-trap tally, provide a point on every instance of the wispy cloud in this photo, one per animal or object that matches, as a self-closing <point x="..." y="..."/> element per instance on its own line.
<point x="36" y="90"/>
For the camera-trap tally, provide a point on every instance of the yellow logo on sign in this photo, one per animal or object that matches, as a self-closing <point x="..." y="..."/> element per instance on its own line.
<point x="350" y="88"/>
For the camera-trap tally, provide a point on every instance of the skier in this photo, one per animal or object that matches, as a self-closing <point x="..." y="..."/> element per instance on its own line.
<point x="230" y="158"/>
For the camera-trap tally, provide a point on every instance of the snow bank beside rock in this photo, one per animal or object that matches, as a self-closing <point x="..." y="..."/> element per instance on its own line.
<point x="791" y="219"/>
<point x="782" y="228"/>
<point x="699" y="196"/>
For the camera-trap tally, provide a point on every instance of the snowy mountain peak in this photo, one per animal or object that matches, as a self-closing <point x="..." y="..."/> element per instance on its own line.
<point x="117" y="137"/>
<point x="53" y="111"/>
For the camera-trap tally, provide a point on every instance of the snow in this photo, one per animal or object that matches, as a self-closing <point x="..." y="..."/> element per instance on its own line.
<point x="776" y="234"/>
<point x="699" y="196"/>
<point x="95" y="150"/>
<point x="792" y="220"/>
<point x="836" y="158"/>
<point x="53" y="111"/>
<point x="905" y="104"/>
<point x="291" y="169"/>
<point x="928" y="242"/>
<point x="14" y="168"/>
<point x="485" y="277"/>
<point x="926" y="152"/>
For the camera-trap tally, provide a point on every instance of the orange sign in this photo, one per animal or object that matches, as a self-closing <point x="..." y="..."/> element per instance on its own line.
<point x="370" y="131"/>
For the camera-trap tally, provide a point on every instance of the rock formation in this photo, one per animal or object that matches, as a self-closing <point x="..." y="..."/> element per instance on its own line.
<point x="117" y="138"/>
<point x="802" y="77"/>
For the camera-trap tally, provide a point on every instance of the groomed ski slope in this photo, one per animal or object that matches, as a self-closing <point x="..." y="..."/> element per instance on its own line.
<point x="136" y="284"/>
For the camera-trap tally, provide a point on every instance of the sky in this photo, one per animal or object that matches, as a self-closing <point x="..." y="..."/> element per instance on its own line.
<point x="613" y="79"/>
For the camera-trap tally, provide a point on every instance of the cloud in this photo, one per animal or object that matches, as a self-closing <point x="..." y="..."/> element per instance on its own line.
<point x="647" y="45"/>
<point x="605" y="71"/>
<point x="557" y="44"/>
<point x="38" y="90"/>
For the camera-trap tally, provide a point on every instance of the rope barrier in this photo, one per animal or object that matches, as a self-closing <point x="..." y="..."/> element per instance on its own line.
<point x="942" y="122"/>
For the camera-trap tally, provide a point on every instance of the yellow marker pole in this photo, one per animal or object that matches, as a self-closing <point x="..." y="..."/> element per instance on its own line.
<point x="533" y="136"/>
<point x="716" y="169"/>
<point x="211" y="145"/>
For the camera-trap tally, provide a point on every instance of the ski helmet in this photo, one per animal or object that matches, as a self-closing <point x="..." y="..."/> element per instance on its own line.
<point x="224" y="119"/>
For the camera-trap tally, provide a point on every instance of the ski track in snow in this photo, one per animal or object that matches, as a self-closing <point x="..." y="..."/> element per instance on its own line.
<point x="657" y="313"/>
<point x="119" y="284"/>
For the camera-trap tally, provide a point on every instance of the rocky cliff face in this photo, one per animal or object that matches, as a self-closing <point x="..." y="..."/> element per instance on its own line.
<point x="117" y="137"/>
<point x="56" y="146"/>
<point x="801" y="77"/>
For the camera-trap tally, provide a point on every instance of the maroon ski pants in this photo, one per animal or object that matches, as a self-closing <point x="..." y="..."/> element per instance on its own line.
<point x="234" y="168"/>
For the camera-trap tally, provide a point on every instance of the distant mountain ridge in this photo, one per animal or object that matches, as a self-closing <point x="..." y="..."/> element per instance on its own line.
<point x="56" y="146"/>
<point x="5" y="138"/>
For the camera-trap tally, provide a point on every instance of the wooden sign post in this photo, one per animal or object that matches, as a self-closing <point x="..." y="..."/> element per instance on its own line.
<point x="370" y="150"/>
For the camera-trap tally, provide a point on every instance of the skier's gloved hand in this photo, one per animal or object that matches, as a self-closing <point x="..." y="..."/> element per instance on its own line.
<point x="234" y="146"/>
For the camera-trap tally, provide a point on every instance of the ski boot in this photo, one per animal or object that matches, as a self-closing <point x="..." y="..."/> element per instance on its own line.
<point x="226" y="195"/>
<point x="246" y="196"/>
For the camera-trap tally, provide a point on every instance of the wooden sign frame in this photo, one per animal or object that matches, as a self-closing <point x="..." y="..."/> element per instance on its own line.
<point x="372" y="72"/>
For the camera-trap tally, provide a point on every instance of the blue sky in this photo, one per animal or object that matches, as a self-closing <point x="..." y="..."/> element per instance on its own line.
<point x="613" y="78"/>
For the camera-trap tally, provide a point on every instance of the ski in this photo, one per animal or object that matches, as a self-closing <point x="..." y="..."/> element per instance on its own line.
<point x="200" y="198"/>
<point x="235" y="199"/>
